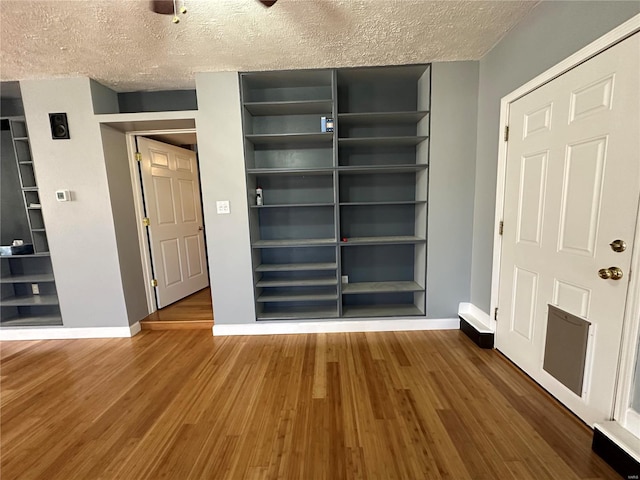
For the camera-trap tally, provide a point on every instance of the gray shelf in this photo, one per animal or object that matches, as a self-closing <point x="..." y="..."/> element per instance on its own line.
<point x="374" y="118"/>
<point x="382" y="141"/>
<point x="31" y="255"/>
<point x="296" y="267"/>
<point x="402" y="202"/>
<point x="290" y="171"/>
<point x="348" y="170"/>
<point x="32" y="278"/>
<point x="301" y="282"/>
<point x="32" y="321"/>
<point x="289" y="138"/>
<point x="296" y="297"/>
<point x="29" y="300"/>
<point x="352" y="311"/>
<point x="300" y="107"/>
<point x="305" y="312"/>
<point x="29" y="189"/>
<point x="382" y="240"/>
<point x="380" y="287"/>
<point x="302" y="242"/>
<point x="283" y="205"/>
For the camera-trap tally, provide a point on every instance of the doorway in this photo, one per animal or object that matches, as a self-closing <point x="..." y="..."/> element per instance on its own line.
<point x="168" y="201"/>
<point x="570" y="211"/>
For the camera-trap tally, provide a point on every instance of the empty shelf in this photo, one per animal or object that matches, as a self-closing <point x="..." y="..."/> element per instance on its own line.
<point x="374" y="118"/>
<point x="382" y="240"/>
<point x="292" y="267"/>
<point x="33" y="278"/>
<point x="289" y="108"/>
<point x="299" y="312"/>
<point x="299" y="282"/>
<point x="289" y="138"/>
<point x="382" y="169"/>
<point x="398" y="202"/>
<point x="382" y="141"/>
<point x="301" y="242"/>
<point x="29" y="300"/>
<point x="294" y="205"/>
<point x="296" y="297"/>
<point x="380" y="287"/>
<point x="30" y="255"/>
<point x="380" y="310"/>
<point x="32" y="321"/>
<point x="290" y="171"/>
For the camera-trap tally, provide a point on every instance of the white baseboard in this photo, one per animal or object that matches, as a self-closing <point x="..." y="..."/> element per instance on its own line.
<point x="332" y="326"/>
<point x="621" y="437"/>
<point x="62" y="333"/>
<point x="480" y="320"/>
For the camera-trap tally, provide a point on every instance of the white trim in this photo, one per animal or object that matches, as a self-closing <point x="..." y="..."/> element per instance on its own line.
<point x="616" y="35"/>
<point x="146" y="116"/>
<point x="480" y="320"/>
<point x="621" y="437"/>
<point x="632" y="422"/>
<point x="332" y="326"/>
<point x="62" y="333"/>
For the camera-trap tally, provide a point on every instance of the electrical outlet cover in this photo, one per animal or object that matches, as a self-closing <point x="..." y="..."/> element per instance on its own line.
<point x="222" y="207"/>
<point x="345" y="278"/>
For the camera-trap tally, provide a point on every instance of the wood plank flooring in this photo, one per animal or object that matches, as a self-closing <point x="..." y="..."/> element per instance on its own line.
<point x="192" y="312"/>
<point x="186" y="405"/>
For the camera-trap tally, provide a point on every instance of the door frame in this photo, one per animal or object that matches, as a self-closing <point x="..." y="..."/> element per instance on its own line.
<point x="138" y="203"/>
<point x="631" y="320"/>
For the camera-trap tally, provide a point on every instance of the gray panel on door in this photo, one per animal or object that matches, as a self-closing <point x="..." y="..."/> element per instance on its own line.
<point x="566" y="348"/>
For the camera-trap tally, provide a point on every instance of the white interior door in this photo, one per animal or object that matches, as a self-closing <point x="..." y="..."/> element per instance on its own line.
<point x="572" y="187"/>
<point x="176" y="235"/>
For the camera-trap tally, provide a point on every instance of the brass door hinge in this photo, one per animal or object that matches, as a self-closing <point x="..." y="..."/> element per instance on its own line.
<point x="506" y="133"/>
<point x="154" y="283"/>
<point x="495" y="314"/>
<point x="138" y="157"/>
<point x="501" y="228"/>
<point x="146" y="222"/>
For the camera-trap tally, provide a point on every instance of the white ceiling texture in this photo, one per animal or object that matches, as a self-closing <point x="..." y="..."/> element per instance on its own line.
<point x="125" y="46"/>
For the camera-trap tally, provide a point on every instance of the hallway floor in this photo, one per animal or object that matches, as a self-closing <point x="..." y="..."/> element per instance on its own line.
<point x="194" y="312"/>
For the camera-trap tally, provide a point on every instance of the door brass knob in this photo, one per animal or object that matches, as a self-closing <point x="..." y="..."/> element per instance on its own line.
<point x="613" y="273"/>
<point x="618" y="246"/>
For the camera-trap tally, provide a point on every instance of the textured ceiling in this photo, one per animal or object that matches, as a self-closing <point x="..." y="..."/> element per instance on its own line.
<point x="125" y="46"/>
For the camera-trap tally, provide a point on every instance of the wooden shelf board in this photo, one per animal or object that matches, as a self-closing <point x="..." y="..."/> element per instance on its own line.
<point x="291" y="171"/>
<point x="30" y="300"/>
<point x="32" y="278"/>
<point x="26" y="162"/>
<point x="29" y="189"/>
<point x="299" y="313"/>
<point x="373" y="118"/>
<point x="289" y="138"/>
<point x="306" y="282"/>
<point x="382" y="240"/>
<point x="300" y="107"/>
<point x="32" y="321"/>
<point x="350" y="170"/>
<point x="303" y="242"/>
<point x="38" y="230"/>
<point x="293" y="267"/>
<point x="380" y="287"/>
<point x="30" y="255"/>
<point x="20" y="139"/>
<point x="294" y="205"/>
<point x="382" y="141"/>
<point x="304" y="297"/>
<point x="399" y="202"/>
<point x="351" y="311"/>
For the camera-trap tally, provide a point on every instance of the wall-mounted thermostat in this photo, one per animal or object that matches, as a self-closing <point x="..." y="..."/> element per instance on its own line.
<point x="63" y="195"/>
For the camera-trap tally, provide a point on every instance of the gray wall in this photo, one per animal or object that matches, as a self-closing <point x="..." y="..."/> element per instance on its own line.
<point x="164" y="101"/>
<point x="551" y="32"/>
<point x="124" y="219"/>
<point x="81" y="233"/>
<point x="221" y="152"/>
<point x="454" y="101"/>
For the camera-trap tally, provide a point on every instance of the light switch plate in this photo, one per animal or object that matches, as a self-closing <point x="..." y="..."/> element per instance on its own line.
<point x="222" y="206"/>
<point x="345" y="278"/>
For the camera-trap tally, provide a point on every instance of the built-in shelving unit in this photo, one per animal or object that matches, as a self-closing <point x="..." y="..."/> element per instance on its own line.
<point x="342" y="229"/>
<point x="28" y="293"/>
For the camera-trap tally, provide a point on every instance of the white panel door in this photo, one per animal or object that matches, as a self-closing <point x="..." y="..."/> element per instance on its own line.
<point x="572" y="188"/>
<point x="176" y="237"/>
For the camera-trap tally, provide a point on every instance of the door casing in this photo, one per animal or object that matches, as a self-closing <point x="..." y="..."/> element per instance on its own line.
<point x="631" y="321"/>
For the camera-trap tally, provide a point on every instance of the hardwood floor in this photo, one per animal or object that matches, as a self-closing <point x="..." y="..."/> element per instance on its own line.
<point x="184" y="404"/>
<point x="194" y="312"/>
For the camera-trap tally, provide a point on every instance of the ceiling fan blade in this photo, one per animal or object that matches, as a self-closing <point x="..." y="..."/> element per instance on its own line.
<point x="163" y="7"/>
<point x="268" y="3"/>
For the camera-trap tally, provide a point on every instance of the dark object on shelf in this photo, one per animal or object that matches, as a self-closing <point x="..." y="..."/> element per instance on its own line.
<point x="59" y="126"/>
<point x="344" y="239"/>
<point x="26" y="249"/>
